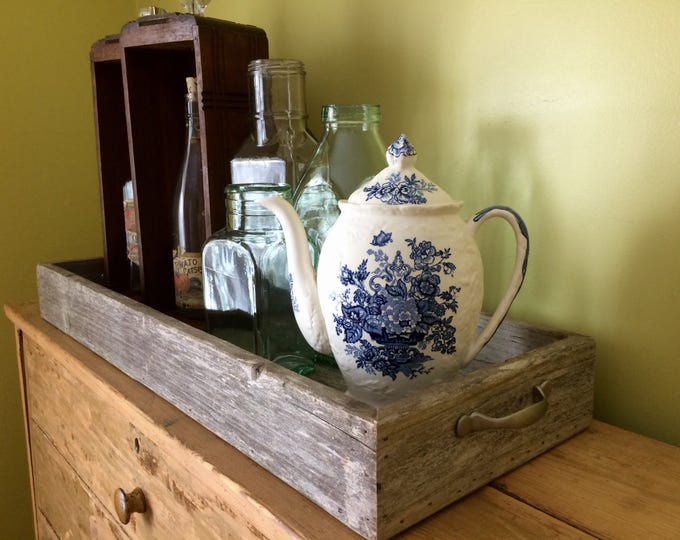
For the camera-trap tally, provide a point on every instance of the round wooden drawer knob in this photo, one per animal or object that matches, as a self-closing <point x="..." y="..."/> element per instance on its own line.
<point x="127" y="504"/>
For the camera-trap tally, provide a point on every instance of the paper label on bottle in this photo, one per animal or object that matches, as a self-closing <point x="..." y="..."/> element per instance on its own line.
<point x="131" y="230"/>
<point x="188" y="279"/>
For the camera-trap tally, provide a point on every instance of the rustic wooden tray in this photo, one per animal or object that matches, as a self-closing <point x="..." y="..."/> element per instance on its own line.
<point x="378" y="470"/>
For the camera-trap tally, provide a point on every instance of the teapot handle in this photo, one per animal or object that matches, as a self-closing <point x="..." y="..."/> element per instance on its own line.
<point x="521" y="257"/>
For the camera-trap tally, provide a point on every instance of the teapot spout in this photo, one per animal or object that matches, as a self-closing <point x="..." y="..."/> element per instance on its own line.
<point x="302" y="277"/>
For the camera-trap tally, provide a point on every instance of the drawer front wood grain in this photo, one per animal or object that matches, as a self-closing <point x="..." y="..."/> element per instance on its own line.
<point x="60" y="497"/>
<point x="110" y="444"/>
<point x="43" y="529"/>
<point x="65" y="506"/>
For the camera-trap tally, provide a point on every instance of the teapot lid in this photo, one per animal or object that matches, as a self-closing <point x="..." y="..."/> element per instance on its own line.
<point x="400" y="183"/>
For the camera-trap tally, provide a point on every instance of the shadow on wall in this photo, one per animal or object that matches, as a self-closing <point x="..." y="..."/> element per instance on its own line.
<point x="638" y="370"/>
<point x="366" y="56"/>
<point x="503" y="169"/>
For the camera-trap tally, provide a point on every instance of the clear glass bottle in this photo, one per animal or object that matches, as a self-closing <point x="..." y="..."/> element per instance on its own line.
<point x="350" y="153"/>
<point x="246" y="284"/>
<point x="189" y="215"/>
<point x="280" y="145"/>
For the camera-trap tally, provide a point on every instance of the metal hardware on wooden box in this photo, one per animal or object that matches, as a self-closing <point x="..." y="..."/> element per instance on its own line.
<point x="475" y="421"/>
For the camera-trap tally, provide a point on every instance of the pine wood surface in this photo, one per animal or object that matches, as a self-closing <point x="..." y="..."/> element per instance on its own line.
<point x="197" y="486"/>
<point x="604" y="482"/>
<point x="607" y="481"/>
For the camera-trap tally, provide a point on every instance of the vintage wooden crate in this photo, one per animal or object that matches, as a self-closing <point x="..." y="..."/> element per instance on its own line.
<point x="379" y="470"/>
<point x="138" y="83"/>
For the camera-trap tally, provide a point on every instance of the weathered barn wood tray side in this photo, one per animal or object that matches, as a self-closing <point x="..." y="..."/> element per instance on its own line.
<point x="282" y="421"/>
<point x="423" y="464"/>
<point x="378" y="470"/>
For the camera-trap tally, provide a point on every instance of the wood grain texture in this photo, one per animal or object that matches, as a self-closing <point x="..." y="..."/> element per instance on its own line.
<point x="106" y="49"/>
<point x="421" y="462"/>
<point x="377" y="470"/>
<point x="44" y="530"/>
<point x="68" y="514"/>
<point x="315" y="438"/>
<point x="66" y="508"/>
<point x="138" y="80"/>
<point x="489" y="514"/>
<point x="111" y="443"/>
<point x="86" y="414"/>
<point x="609" y="482"/>
<point x="19" y="344"/>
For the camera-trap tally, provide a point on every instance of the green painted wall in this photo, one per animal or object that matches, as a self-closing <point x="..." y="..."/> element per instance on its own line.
<point x="567" y="111"/>
<point x="48" y="190"/>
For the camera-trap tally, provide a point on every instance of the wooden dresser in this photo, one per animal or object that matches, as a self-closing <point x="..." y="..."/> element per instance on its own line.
<point x="92" y="431"/>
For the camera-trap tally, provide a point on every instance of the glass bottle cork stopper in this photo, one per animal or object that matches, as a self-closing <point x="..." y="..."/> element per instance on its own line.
<point x="191" y="87"/>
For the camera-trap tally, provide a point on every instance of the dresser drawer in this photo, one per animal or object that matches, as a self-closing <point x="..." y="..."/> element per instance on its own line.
<point x="97" y="441"/>
<point x="106" y="443"/>
<point x="66" y="508"/>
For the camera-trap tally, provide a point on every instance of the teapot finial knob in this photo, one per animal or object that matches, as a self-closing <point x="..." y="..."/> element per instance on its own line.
<point x="401" y="154"/>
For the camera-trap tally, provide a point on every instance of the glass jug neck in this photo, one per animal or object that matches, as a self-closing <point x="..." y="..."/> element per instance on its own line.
<point x="363" y="116"/>
<point x="277" y="97"/>
<point x="245" y="214"/>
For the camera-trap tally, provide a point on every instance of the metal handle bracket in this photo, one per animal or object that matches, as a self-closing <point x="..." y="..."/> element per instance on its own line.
<point x="469" y="423"/>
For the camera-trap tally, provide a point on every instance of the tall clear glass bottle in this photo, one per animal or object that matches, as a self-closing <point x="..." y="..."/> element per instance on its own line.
<point x="189" y="215"/>
<point x="280" y="145"/>
<point x="246" y="286"/>
<point x="350" y="153"/>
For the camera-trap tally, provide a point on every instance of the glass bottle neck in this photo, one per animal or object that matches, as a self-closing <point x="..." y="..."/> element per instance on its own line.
<point x="268" y="129"/>
<point x="356" y="117"/>
<point x="245" y="214"/>
<point x="191" y="117"/>
<point x="277" y="98"/>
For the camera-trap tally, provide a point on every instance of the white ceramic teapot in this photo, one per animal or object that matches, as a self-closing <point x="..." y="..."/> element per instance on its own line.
<point x="399" y="289"/>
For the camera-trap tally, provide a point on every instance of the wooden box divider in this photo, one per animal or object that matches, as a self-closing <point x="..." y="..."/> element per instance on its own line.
<point x="139" y="84"/>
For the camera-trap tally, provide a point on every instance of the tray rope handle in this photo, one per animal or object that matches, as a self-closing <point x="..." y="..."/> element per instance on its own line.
<point x="475" y="421"/>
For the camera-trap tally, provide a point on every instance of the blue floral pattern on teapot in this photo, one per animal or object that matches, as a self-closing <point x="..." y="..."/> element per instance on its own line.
<point x="398" y="190"/>
<point x="394" y="315"/>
